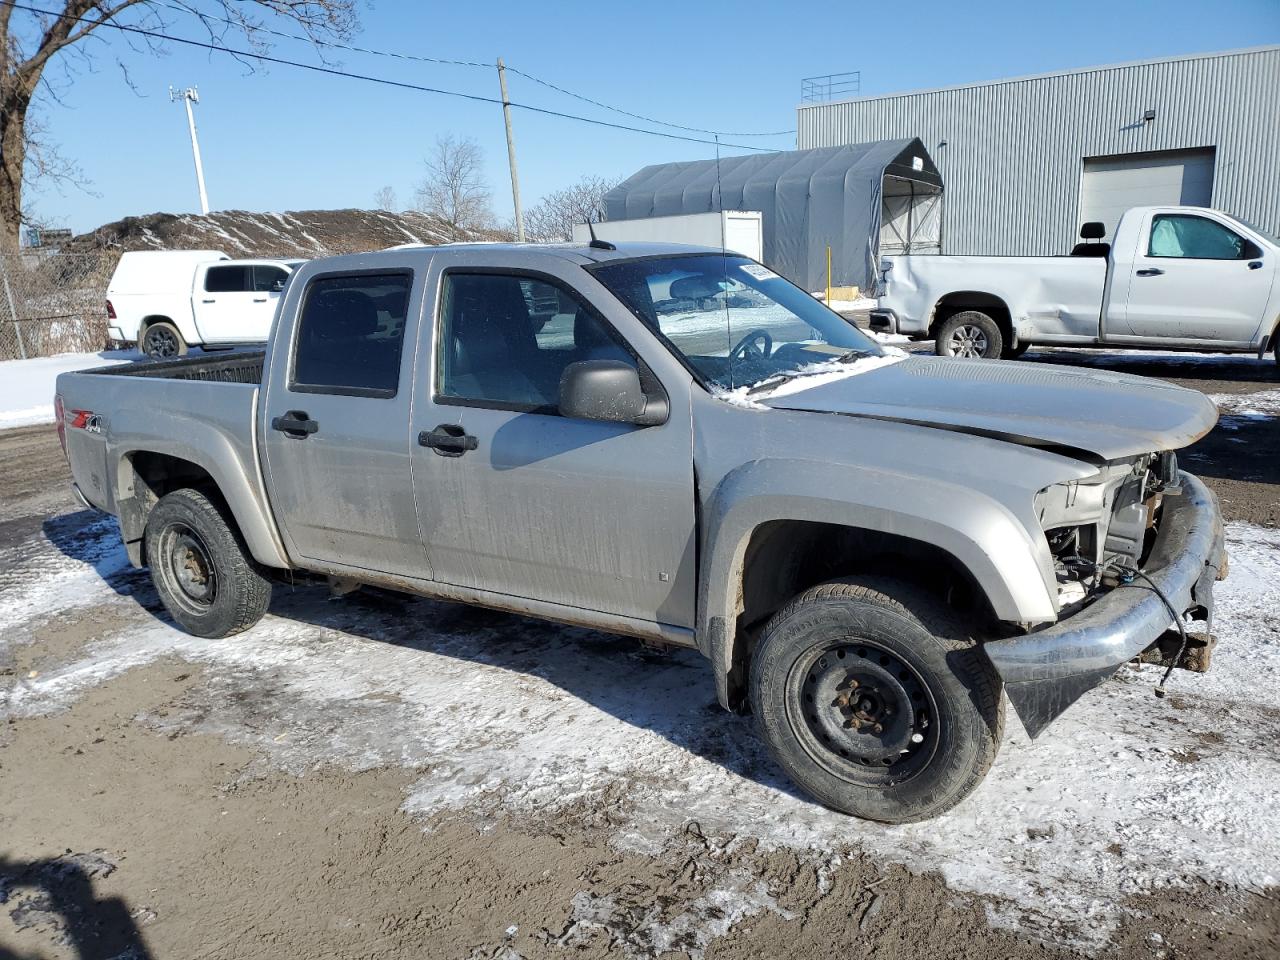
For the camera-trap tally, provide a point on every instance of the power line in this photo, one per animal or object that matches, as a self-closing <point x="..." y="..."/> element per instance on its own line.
<point x="640" y="116"/>
<point x="157" y="35"/>
<point x="486" y="66"/>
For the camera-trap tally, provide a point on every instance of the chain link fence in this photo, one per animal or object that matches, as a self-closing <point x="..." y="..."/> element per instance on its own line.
<point x="53" y="302"/>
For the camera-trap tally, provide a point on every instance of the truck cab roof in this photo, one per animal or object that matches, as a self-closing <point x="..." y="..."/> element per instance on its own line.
<point x="575" y="252"/>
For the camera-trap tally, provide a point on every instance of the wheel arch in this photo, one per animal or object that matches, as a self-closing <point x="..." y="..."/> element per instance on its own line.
<point x="145" y="474"/>
<point x="958" y="301"/>
<point x="763" y="548"/>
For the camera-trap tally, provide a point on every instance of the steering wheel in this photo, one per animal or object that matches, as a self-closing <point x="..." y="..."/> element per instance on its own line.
<point x="756" y="345"/>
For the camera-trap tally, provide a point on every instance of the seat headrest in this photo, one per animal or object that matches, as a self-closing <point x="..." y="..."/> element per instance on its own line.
<point x="695" y="287"/>
<point x="1093" y="230"/>
<point x="349" y="313"/>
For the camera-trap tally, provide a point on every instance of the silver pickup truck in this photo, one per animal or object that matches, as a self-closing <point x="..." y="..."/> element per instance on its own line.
<point x="871" y="549"/>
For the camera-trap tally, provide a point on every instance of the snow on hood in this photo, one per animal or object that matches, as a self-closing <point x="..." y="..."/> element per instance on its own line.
<point x="813" y="375"/>
<point x="1109" y="415"/>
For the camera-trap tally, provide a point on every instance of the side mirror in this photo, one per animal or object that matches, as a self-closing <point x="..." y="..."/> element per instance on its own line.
<point x="609" y="390"/>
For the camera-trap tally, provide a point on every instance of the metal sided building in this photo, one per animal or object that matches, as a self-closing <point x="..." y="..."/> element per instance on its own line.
<point x="1027" y="160"/>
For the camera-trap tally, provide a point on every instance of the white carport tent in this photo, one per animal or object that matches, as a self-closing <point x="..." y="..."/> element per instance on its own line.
<point x="861" y="200"/>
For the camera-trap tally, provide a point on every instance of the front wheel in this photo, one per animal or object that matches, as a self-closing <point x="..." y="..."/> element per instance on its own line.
<point x="873" y="698"/>
<point x="201" y="568"/>
<point x="970" y="333"/>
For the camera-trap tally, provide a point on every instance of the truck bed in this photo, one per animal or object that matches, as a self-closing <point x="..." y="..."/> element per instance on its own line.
<point x="1058" y="297"/>
<point x="237" y="368"/>
<point x="206" y="421"/>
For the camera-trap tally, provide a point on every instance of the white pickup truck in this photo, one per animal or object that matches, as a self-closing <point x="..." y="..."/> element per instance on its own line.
<point x="1183" y="278"/>
<point x="169" y="300"/>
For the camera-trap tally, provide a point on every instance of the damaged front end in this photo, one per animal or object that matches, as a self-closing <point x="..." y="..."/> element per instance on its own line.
<point x="1131" y="547"/>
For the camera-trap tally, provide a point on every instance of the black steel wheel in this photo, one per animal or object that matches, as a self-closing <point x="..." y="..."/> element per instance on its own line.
<point x="162" y="341"/>
<point x="863" y="711"/>
<point x="201" y="568"/>
<point x="875" y="699"/>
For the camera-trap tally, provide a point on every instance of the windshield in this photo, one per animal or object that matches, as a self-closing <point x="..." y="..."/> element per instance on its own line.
<point x="733" y="321"/>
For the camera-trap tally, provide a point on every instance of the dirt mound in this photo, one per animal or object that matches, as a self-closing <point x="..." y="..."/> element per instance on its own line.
<point x="298" y="233"/>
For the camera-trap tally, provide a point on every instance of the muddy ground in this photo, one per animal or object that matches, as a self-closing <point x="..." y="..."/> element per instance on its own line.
<point x="161" y="797"/>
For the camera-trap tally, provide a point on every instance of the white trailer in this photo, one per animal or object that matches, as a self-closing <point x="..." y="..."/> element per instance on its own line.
<point x="740" y="231"/>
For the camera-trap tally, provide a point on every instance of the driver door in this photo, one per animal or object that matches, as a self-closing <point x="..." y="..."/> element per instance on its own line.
<point x="1193" y="278"/>
<point x="523" y="501"/>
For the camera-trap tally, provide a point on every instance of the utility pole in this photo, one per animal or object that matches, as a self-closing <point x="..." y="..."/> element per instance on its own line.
<point x="511" y="150"/>
<point x="188" y="97"/>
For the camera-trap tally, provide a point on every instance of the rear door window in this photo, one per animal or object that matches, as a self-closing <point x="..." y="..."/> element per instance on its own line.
<point x="234" y="279"/>
<point x="350" y="335"/>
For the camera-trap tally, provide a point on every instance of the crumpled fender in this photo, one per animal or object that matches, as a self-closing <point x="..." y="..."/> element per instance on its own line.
<point x="983" y="535"/>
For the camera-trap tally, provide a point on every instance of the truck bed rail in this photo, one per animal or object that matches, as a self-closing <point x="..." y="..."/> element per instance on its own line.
<point x="239" y="368"/>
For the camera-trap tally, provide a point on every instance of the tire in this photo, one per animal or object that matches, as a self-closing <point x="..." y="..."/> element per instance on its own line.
<point x="910" y="655"/>
<point x="201" y="567"/>
<point x="162" y="341"/>
<point x="1013" y="353"/>
<point x="969" y="333"/>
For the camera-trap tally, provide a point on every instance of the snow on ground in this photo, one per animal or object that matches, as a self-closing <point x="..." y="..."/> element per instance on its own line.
<point x="510" y="716"/>
<point x="26" y="386"/>
<point x="1264" y="403"/>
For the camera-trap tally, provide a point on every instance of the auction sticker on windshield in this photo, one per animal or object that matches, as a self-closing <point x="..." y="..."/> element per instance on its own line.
<point x="757" y="271"/>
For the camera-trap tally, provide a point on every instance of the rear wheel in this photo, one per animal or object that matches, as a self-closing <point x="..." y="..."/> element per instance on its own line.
<point x="874" y="699"/>
<point x="969" y="333"/>
<point x="201" y="568"/>
<point x="162" y="341"/>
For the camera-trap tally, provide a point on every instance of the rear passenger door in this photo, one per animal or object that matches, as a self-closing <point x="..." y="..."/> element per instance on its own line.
<point x="335" y="422"/>
<point x="224" y="304"/>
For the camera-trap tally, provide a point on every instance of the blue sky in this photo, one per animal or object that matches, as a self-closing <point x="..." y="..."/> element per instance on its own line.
<point x="281" y="138"/>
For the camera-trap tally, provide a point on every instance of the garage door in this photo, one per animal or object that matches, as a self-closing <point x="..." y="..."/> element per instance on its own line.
<point x="1111" y="185"/>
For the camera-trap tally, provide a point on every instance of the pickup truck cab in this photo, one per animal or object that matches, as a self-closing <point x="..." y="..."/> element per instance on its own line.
<point x="1172" y="278"/>
<point x="868" y="547"/>
<point x="169" y="300"/>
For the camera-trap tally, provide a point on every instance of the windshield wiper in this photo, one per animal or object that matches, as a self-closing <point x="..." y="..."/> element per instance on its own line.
<point x="851" y="355"/>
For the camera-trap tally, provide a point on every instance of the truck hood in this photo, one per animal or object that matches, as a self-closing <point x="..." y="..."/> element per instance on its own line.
<point x="1103" y="415"/>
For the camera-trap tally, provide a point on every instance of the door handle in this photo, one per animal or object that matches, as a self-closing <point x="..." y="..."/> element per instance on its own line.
<point x="1255" y="264"/>
<point x="295" y="424"/>
<point x="259" y="299"/>
<point x="1150" y="272"/>
<point x="209" y="300"/>
<point x="448" y="440"/>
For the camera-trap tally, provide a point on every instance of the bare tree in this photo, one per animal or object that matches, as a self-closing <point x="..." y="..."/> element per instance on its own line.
<point x="455" y="189"/>
<point x="385" y="199"/>
<point x="552" y="217"/>
<point x="30" y="42"/>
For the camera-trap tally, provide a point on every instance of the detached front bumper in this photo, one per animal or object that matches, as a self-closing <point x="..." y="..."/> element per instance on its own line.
<point x="1047" y="671"/>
